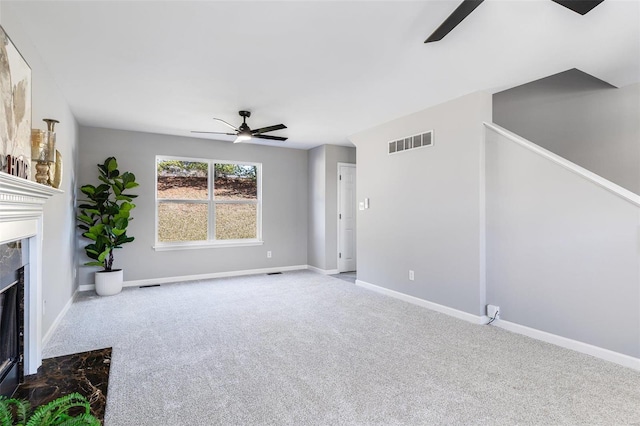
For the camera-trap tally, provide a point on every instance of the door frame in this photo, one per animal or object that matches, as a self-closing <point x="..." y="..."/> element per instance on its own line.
<point x="339" y="192"/>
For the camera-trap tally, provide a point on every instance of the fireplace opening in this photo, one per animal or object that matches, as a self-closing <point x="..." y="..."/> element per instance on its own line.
<point x="11" y="318"/>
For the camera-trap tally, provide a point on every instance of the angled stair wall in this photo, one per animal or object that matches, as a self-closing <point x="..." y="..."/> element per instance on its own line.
<point x="562" y="246"/>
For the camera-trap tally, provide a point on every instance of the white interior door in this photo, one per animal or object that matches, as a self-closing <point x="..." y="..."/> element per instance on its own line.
<point x="347" y="209"/>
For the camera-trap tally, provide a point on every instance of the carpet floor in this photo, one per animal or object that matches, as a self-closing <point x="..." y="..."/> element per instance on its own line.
<point x="307" y="349"/>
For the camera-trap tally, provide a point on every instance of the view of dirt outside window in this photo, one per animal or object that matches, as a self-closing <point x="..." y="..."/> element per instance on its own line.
<point x="188" y="212"/>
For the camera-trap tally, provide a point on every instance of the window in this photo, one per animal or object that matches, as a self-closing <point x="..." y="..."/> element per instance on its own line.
<point x="207" y="203"/>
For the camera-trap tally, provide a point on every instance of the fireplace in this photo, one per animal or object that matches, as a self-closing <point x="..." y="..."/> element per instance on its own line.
<point x="21" y="231"/>
<point x="12" y="278"/>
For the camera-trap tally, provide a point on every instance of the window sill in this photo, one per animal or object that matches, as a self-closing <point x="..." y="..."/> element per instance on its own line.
<point x="206" y="245"/>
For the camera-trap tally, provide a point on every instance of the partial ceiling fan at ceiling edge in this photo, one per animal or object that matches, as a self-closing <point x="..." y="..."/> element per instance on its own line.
<point x="452" y="21"/>
<point x="467" y="6"/>
<point x="244" y="132"/>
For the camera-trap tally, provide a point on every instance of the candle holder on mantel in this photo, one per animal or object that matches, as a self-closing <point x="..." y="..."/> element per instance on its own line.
<point x="43" y="150"/>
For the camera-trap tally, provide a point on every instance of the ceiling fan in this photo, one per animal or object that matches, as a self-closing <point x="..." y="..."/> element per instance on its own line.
<point x="244" y="132"/>
<point x="467" y="6"/>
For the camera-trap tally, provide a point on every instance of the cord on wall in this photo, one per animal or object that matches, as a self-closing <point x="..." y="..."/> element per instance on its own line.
<point x="495" y="316"/>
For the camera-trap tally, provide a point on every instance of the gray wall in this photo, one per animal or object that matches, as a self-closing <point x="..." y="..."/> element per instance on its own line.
<point x="316" y="242"/>
<point x="59" y="244"/>
<point x="562" y="252"/>
<point x="323" y="203"/>
<point x="425" y="205"/>
<point x="580" y="118"/>
<point x="284" y="213"/>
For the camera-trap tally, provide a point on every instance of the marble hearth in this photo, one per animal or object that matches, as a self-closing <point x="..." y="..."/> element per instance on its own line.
<point x="21" y="217"/>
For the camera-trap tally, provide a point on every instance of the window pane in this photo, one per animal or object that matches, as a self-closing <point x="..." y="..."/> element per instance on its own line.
<point x="186" y="180"/>
<point x="182" y="222"/>
<point x="236" y="221"/>
<point x="235" y="182"/>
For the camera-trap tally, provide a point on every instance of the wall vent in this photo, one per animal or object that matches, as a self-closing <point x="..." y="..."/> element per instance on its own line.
<point x="411" y="142"/>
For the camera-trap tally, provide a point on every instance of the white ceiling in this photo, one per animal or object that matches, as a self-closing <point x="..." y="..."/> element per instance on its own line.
<point x="327" y="69"/>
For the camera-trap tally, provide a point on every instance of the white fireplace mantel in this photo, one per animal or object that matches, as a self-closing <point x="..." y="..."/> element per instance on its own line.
<point x="21" y="217"/>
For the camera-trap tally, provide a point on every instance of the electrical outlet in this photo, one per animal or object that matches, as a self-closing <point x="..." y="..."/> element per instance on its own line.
<point x="493" y="311"/>
<point x="411" y="275"/>
<point x="269" y="254"/>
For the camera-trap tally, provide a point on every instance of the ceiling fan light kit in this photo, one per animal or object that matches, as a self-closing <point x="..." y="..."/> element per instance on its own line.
<point x="244" y="132"/>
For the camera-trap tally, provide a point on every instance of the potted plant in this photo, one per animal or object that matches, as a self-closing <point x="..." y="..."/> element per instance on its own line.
<point x="104" y="217"/>
<point x="69" y="410"/>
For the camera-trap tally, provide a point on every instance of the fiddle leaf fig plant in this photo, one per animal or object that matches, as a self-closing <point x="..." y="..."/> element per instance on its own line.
<point x="105" y="214"/>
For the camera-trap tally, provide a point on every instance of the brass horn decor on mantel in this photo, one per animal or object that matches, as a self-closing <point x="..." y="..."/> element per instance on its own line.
<point x="43" y="152"/>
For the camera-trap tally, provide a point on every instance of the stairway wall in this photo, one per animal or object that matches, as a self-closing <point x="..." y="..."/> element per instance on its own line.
<point x="580" y="118"/>
<point x="562" y="251"/>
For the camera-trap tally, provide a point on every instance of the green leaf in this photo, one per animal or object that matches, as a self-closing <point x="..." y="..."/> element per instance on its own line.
<point x="130" y="185"/>
<point x="90" y="236"/>
<point x="117" y="232"/>
<point x="88" y="189"/>
<point x="122" y="223"/>
<point x="57" y="411"/>
<point x="111" y="164"/>
<point x="123" y="197"/>
<point x="97" y="229"/>
<point x="103" y="255"/>
<point x="85" y="219"/>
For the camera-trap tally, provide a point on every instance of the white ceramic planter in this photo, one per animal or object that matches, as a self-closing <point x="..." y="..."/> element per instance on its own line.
<point x="109" y="283"/>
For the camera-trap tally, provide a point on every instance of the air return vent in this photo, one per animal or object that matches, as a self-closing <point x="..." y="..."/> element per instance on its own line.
<point x="411" y="142"/>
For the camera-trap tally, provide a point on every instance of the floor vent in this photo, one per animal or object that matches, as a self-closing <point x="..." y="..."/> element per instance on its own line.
<point x="150" y="285"/>
<point x="411" y="142"/>
<point x="274" y="273"/>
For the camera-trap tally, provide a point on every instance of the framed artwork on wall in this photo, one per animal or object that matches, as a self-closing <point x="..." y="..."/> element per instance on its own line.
<point x="15" y="109"/>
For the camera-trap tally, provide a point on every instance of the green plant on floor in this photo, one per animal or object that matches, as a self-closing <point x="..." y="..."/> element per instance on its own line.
<point x="105" y="214"/>
<point x="16" y="412"/>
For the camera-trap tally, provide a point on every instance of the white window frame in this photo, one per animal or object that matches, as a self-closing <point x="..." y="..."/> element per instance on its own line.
<point x="211" y="203"/>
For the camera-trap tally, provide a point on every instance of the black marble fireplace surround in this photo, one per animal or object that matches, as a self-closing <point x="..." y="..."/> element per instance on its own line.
<point x="86" y="372"/>
<point x="12" y="281"/>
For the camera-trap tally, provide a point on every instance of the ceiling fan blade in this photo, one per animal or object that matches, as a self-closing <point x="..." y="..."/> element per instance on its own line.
<point x="268" y="129"/>
<point x="222" y="121"/>
<point x="454" y="19"/>
<point x="214" y="133"/>
<point x="579" y="6"/>
<point x="273" y="138"/>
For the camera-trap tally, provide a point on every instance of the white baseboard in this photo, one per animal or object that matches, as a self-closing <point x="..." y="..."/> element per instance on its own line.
<point x="585" y="348"/>
<point x="177" y="279"/>
<point x="56" y="322"/>
<point x="475" y="319"/>
<point x="323" y="271"/>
